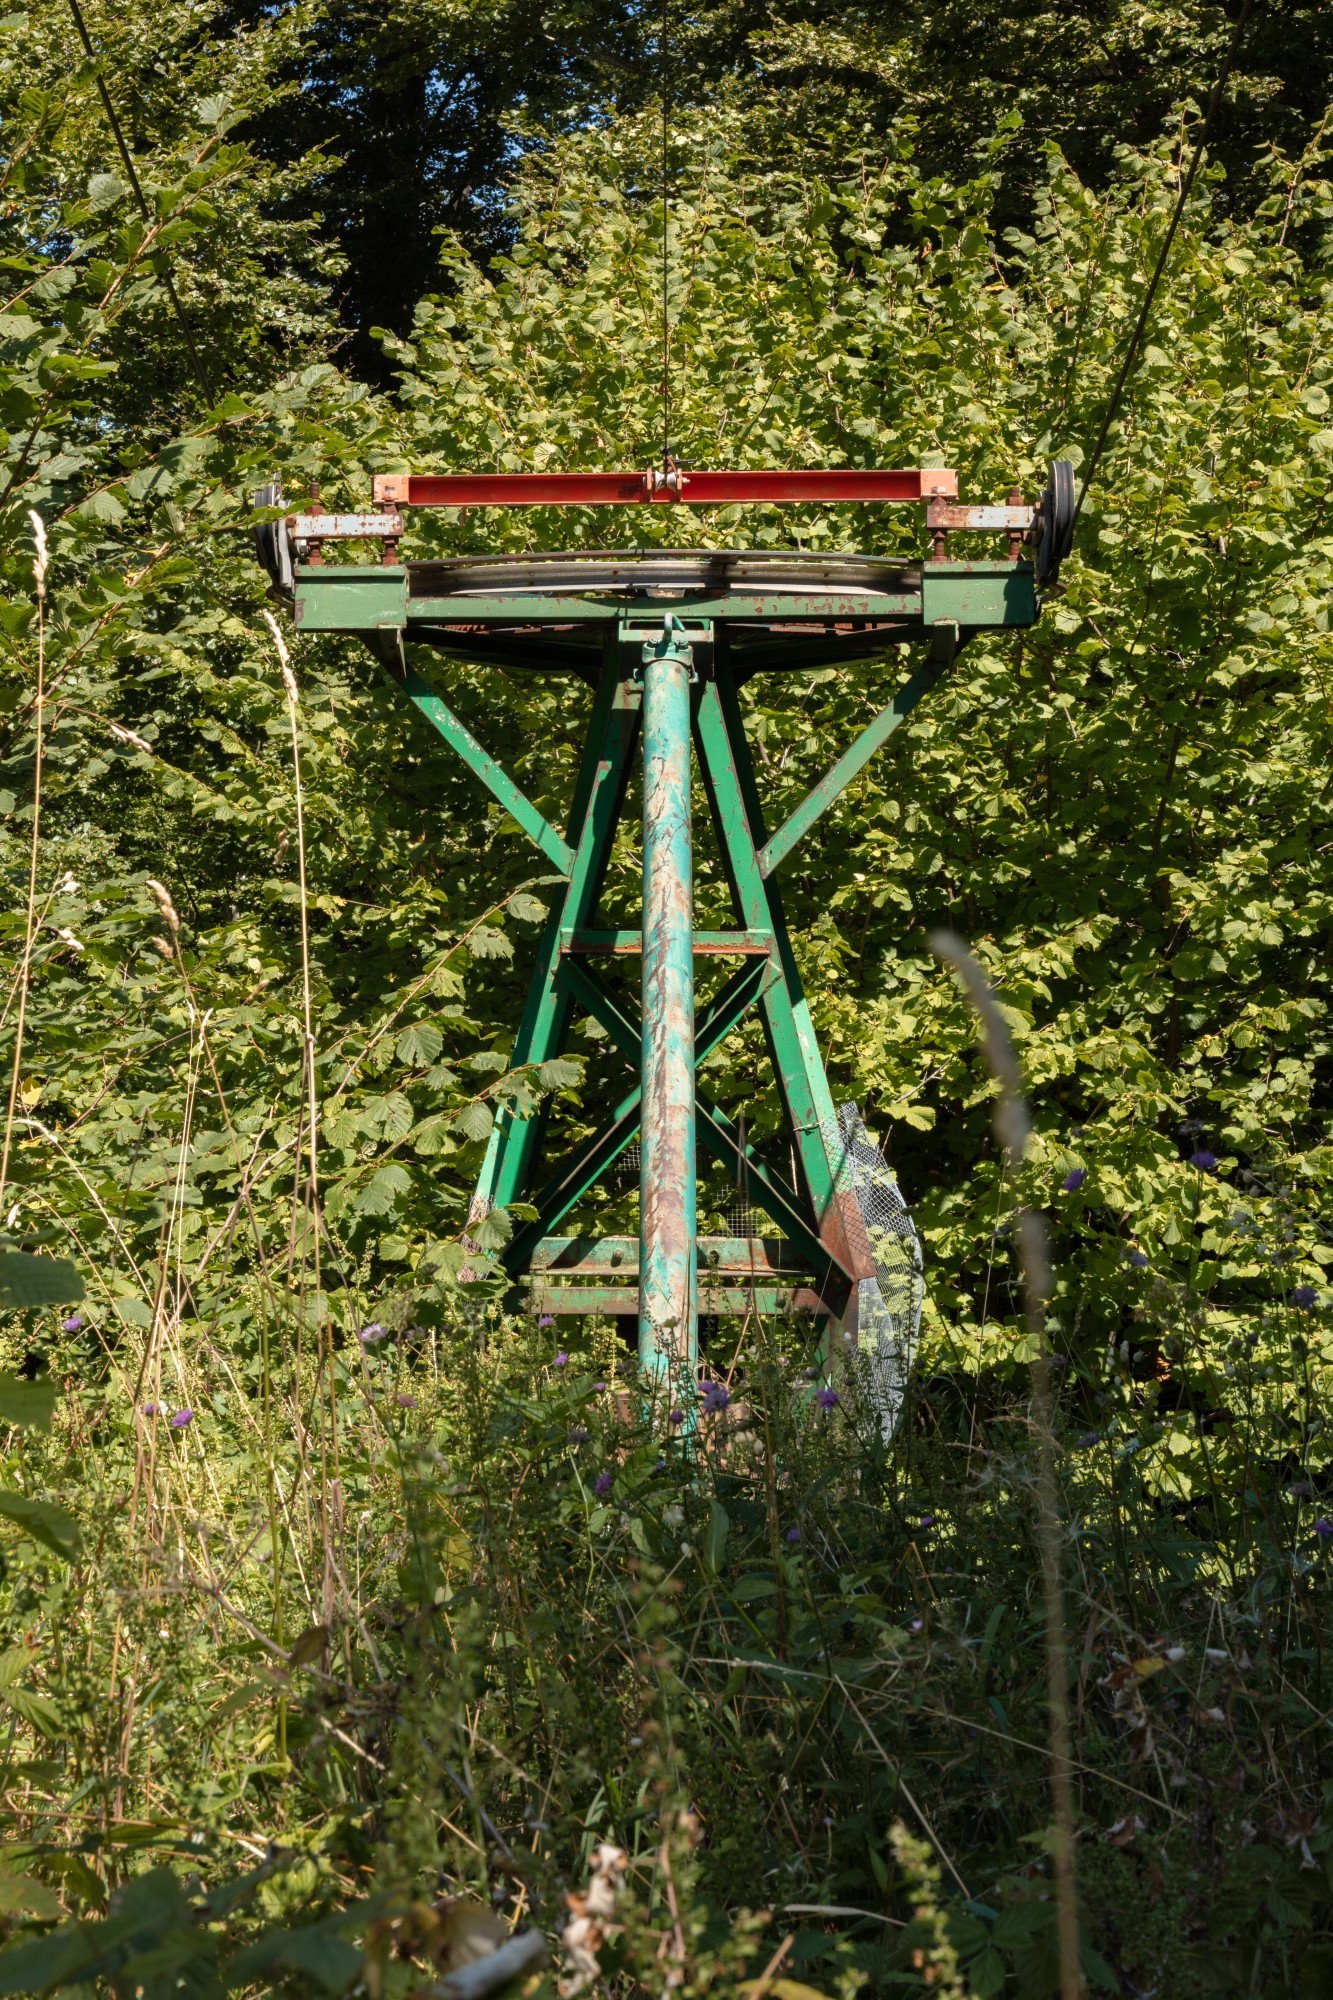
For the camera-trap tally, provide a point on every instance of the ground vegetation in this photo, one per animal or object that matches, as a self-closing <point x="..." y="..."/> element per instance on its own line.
<point x="346" y="1614"/>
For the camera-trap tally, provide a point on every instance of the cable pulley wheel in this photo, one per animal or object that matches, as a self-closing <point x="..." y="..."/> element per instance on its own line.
<point x="272" y="542"/>
<point x="1056" y="514"/>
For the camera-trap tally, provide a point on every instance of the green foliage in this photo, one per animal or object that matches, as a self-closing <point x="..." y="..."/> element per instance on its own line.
<point x="308" y="1557"/>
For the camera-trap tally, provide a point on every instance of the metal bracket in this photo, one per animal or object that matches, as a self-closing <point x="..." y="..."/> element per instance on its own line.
<point x="671" y="644"/>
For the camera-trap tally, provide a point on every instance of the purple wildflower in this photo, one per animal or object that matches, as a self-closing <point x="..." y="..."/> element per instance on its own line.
<point x="1206" y="1162"/>
<point x="154" y="1409"/>
<point x="1137" y="1259"/>
<point x="547" y="1319"/>
<point x="370" y="1334"/>
<point x="598" y="1387"/>
<point x="827" y="1399"/>
<point x="793" y="1535"/>
<point x="72" y="1324"/>
<point x="1323" y="1527"/>
<point x="603" y="1483"/>
<point x="917" y="1624"/>
<point x="181" y="1419"/>
<point x="1305" y="1296"/>
<point x="1088" y="1438"/>
<point x="714" y="1396"/>
<point x="561" y="1360"/>
<point x="1074" y="1179"/>
<point x="676" y="1418"/>
<point x="579" y="1435"/>
<point x="405" y="1402"/>
<point x="927" y="1520"/>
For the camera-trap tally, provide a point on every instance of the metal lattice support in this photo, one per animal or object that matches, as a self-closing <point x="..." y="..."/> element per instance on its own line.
<point x="667" y="639"/>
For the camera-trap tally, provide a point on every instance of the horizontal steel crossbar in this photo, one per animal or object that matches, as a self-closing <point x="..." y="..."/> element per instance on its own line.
<point x="768" y="1257"/>
<point x="622" y="1301"/>
<point x="693" y="489"/>
<point x="708" y="944"/>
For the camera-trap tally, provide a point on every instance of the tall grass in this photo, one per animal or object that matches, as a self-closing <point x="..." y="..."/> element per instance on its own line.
<point x="385" y="1627"/>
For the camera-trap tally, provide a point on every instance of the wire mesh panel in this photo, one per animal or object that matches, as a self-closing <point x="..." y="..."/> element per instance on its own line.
<point x="889" y="1304"/>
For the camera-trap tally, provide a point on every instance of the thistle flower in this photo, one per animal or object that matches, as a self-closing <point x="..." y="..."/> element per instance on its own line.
<point x="181" y="1419"/>
<point x="827" y="1399"/>
<point x="561" y="1360"/>
<point x="676" y="1418"/>
<point x="793" y="1536"/>
<point x="547" y="1319"/>
<point x="603" y="1483"/>
<point x="578" y="1435"/>
<point x="1074" y="1179"/>
<point x="714" y="1397"/>
<point x="1323" y="1528"/>
<point x="1205" y="1161"/>
<point x="72" y="1324"/>
<point x="1306" y="1297"/>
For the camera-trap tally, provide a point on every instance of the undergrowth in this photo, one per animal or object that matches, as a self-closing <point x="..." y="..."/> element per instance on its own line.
<point x="765" y="1658"/>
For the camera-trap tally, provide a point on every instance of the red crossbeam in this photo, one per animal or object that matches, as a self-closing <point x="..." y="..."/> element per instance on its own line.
<point x="618" y="489"/>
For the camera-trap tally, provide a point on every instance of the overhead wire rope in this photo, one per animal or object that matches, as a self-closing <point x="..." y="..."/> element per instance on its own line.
<point x="663" y="57"/>
<point x="200" y="374"/>
<point x="1131" y="354"/>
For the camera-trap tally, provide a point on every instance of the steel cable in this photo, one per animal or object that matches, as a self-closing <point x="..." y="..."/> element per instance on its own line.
<point x="666" y="315"/>
<point x="1141" y="324"/>
<point x="200" y="375"/>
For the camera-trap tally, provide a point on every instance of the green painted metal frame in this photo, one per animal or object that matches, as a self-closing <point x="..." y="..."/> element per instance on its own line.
<point x="616" y="641"/>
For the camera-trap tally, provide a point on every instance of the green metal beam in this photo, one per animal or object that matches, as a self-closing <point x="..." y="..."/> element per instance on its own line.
<point x="496" y="780"/>
<point x="537" y="655"/>
<point x="576" y="1176"/>
<point x="766" y="1190"/>
<point x="618" y="1256"/>
<point x="622" y="1301"/>
<point x="872" y="738"/>
<point x="627" y="943"/>
<point x="564" y="607"/>
<point x="338" y="598"/>
<point x="729" y="1006"/>
<point x="582" y="1168"/>
<point x="594" y="814"/>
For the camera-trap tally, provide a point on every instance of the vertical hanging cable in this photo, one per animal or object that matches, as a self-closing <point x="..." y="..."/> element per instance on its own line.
<point x="1141" y="323"/>
<point x="666" y="316"/>
<point x="196" y="364"/>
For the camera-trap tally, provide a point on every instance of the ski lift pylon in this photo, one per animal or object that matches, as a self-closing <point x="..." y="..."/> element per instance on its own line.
<point x="666" y="640"/>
